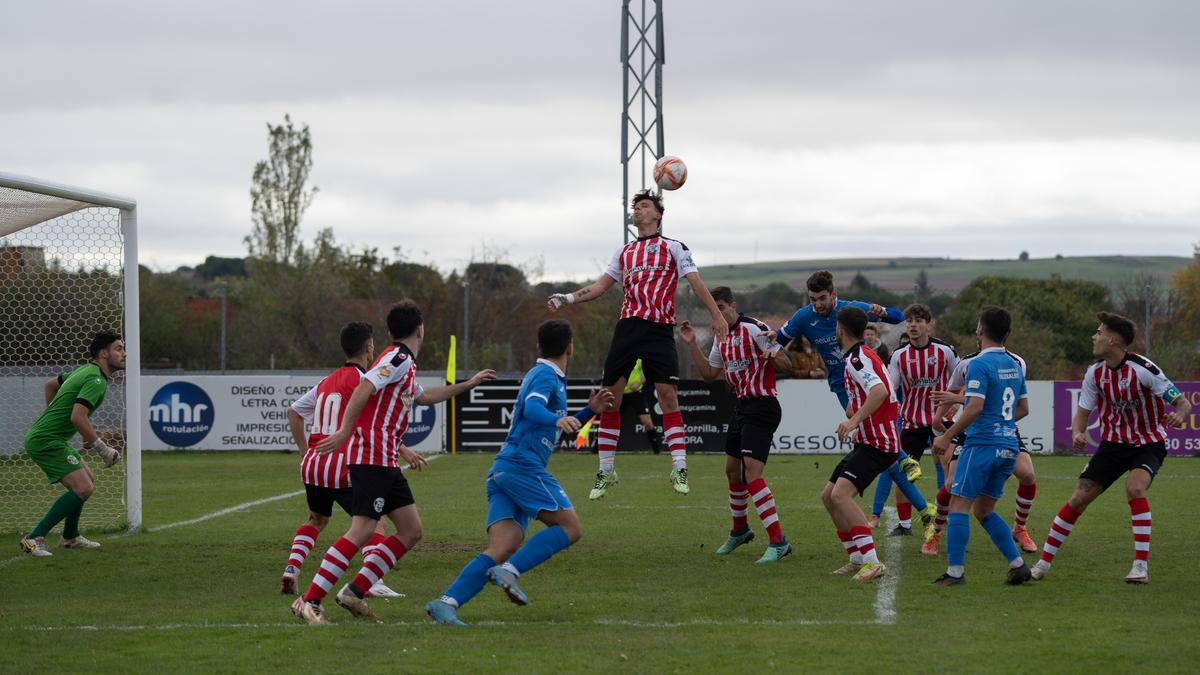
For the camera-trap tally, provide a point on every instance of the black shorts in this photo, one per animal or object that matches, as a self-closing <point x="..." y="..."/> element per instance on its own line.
<point x="862" y="465"/>
<point x="1113" y="459"/>
<point x="321" y="499"/>
<point x="752" y="430"/>
<point x="653" y="343"/>
<point x="916" y="440"/>
<point x="638" y="402"/>
<point x="378" y="490"/>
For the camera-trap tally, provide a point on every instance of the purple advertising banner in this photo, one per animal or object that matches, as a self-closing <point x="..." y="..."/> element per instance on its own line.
<point x="1180" y="442"/>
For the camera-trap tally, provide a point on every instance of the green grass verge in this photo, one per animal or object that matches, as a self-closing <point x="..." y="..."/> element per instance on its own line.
<point x="641" y="592"/>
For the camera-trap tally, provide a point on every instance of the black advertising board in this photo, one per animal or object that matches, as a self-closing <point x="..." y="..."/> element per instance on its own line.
<point x="482" y="416"/>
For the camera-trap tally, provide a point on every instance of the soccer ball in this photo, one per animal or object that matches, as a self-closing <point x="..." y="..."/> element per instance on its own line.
<point x="670" y="173"/>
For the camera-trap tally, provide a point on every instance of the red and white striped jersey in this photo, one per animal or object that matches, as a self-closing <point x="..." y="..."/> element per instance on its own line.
<point x="650" y="269"/>
<point x="321" y="407"/>
<point x="917" y="372"/>
<point x="1130" y="398"/>
<point x="380" y="428"/>
<point x="745" y="355"/>
<point x="864" y="372"/>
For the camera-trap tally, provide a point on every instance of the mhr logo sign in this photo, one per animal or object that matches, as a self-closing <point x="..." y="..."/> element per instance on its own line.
<point x="181" y="414"/>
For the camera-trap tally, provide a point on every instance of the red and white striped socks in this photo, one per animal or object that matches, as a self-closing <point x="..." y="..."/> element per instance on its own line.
<point x="673" y="433"/>
<point x="1025" y="495"/>
<point x="904" y="514"/>
<point x="1060" y="529"/>
<point x="738" y="498"/>
<point x="764" y="503"/>
<point x="1139" y="518"/>
<point x="943" y="509"/>
<point x="302" y="545"/>
<point x="606" y="439"/>
<point x="861" y="534"/>
<point x="333" y="566"/>
<point x="851" y="547"/>
<point x="378" y="563"/>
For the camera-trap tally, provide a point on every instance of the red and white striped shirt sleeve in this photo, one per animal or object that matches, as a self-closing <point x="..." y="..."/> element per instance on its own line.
<point x="894" y="373"/>
<point x="1090" y="395"/>
<point x="614" y="269"/>
<point x="385" y="373"/>
<point x="865" y="377"/>
<point x="1152" y="377"/>
<point x="306" y="405"/>
<point x="683" y="257"/>
<point x="714" y="356"/>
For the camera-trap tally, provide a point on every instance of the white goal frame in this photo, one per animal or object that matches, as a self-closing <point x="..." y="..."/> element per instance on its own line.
<point x="132" y="329"/>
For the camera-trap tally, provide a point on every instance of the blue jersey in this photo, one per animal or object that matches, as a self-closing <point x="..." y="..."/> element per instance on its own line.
<point x="541" y="401"/>
<point x="821" y="331"/>
<point x="997" y="378"/>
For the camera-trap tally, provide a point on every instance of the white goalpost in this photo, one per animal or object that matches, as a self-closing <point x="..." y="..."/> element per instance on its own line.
<point x="68" y="269"/>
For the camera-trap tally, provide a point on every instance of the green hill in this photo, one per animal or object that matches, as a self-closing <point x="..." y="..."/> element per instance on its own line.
<point x="945" y="274"/>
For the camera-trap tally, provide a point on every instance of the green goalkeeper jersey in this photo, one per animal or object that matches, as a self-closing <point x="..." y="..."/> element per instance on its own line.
<point x="86" y="385"/>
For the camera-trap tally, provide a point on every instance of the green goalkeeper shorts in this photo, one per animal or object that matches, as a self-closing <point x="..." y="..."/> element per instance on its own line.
<point x="56" y="458"/>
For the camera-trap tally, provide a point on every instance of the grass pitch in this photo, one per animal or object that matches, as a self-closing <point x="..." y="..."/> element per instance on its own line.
<point x="641" y="592"/>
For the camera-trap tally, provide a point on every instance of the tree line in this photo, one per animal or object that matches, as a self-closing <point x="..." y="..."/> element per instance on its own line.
<point x="285" y="301"/>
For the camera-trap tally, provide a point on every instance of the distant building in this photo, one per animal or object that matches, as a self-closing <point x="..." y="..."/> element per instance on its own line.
<point x="17" y="260"/>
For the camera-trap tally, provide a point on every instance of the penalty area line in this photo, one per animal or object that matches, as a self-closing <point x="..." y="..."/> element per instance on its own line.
<point x="204" y="518"/>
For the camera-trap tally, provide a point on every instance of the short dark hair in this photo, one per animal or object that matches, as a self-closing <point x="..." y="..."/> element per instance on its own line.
<point x="101" y="341"/>
<point x="355" y="337"/>
<point x="403" y="319"/>
<point x="723" y="293"/>
<point x="820" y="281"/>
<point x="996" y="323"/>
<point x="650" y="195"/>
<point x="553" y="337"/>
<point x="871" y="326"/>
<point x="853" y="321"/>
<point x="918" y="310"/>
<point x="1120" y="325"/>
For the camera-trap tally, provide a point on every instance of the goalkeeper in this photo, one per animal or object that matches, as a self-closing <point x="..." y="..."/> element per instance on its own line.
<point x="71" y="398"/>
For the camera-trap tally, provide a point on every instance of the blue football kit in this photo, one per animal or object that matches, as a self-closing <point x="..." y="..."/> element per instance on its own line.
<point x="821" y="331"/>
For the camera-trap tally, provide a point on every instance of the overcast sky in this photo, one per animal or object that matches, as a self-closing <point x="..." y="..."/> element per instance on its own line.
<point x="959" y="128"/>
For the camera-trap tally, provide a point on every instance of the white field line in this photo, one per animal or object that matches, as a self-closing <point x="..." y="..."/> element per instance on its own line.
<point x="499" y="624"/>
<point x="205" y="518"/>
<point x="885" y="598"/>
<point x="224" y="512"/>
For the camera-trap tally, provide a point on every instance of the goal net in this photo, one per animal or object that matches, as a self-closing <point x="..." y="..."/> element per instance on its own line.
<point x="68" y="269"/>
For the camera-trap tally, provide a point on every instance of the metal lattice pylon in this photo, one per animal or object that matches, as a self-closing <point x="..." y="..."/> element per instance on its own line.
<point x="642" y="59"/>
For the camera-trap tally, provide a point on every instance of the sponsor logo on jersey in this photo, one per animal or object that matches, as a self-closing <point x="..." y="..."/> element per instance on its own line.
<point x="384" y="371"/>
<point x="652" y="249"/>
<point x="181" y="414"/>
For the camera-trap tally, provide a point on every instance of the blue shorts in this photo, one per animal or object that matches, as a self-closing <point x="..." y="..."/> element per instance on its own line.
<point x="982" y="470"/>
<point x="518" y="493"/>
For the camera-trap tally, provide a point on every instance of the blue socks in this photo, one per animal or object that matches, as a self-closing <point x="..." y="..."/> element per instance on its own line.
<point x="539" y="548"/>
<point x="1001" y="536"/>
<point x="958" y="530"/>
<point x="470" y="580"/>
<point x="883" y="488"/>
<point x="941" y="473"/>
